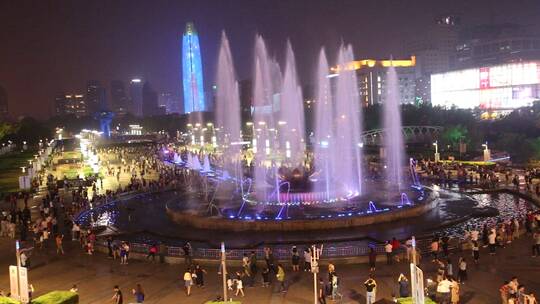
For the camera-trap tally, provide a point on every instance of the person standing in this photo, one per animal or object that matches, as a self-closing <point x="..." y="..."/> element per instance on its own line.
<point x="307" y="260"/>
<point x="476" y="251"/>
<point x="492" y="241"/>
<point x="371" y="290"/>
<point x="372" y="258"/>
<point x="187" y="254"/>
<point x="188" y="281"/>
<point x="266" y="277"/>
<point x="403" y="283"/>
<point x="536" y="244"/>
<point x="295" y="259"/>
<point x="443" y="291"/>
<point x="280" y="276"/>
<point x="138" y="292"/>
<point x="199" y="272"/>
<point x="504" y="291"/>
<point x="435" y="249"/>
<point x="117" y="298"/>
<point x="59" y="248"/>
<point x="388" y="250"/>
<point x="454" y="292"/>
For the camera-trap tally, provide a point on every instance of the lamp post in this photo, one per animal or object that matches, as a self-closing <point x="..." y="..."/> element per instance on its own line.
<point x="224" y="271"/>
<point x="437" y="155"/>
<point x="315" y="256"/>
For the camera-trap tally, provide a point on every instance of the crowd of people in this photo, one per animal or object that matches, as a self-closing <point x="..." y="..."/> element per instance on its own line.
<point x="58" y="211"/>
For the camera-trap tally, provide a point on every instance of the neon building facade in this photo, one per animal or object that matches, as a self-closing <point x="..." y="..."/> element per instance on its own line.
<point x="192" y="72"/>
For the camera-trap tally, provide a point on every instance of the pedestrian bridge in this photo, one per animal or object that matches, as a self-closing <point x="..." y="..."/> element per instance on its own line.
<point x="411" y="135"/>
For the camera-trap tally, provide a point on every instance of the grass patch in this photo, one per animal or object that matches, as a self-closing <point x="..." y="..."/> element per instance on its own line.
<point x="10" y="170"/>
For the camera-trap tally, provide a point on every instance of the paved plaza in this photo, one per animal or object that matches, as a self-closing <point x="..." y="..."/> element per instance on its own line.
<point x="96" y="275"/>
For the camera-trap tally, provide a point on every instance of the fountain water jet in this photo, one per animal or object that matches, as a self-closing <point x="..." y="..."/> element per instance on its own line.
<point x="347" y="147"/>
<point x="228" y="110"/>
<point x="393" y="137"/>
<point x="290" y="128"/>
<point x="323" y="127"/>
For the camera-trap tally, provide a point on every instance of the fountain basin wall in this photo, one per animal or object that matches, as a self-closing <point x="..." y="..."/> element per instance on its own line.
<point x="220" y="223"/>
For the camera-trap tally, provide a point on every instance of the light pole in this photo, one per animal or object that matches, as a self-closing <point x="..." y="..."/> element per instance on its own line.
<point x="315" y="255"/>
<point x="224" y="271"/>
<point x="437" y="155"/>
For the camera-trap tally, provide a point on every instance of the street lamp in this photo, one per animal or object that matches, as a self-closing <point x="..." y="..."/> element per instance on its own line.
<point x="315" y="255"/>
<point x="437" y="155"/>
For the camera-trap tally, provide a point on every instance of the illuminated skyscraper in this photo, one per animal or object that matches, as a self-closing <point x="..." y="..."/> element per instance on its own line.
<point x="192" y="71"/>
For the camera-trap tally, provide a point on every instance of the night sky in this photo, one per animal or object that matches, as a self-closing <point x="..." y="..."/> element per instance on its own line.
<point x="53" y="46"/>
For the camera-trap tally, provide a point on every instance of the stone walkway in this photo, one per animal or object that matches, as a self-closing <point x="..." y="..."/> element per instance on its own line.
<point x="96" y="275"/>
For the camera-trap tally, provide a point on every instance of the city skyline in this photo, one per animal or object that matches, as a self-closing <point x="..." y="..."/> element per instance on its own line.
<point x="107" y="48"/>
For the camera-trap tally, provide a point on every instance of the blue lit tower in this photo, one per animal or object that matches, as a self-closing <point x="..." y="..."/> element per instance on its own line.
<point x="192" y="71"/>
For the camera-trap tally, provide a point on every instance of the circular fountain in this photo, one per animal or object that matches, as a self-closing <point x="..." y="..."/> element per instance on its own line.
<point x="281" y="178"/>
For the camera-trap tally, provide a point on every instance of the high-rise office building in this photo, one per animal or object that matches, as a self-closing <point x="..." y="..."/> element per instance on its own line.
<point x="3" y="103"/>
<point x="136" y="95"/>
<point x="149" y="100"/>
<point x="192" y="73"/>
<point x="96" y="98"/>
<point x="119" y="99"/>
<point x="75" y="104"/>
<point x="169" y="102"/>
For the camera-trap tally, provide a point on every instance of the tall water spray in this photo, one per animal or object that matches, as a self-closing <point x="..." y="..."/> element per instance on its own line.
<point x="263" y="128"/>
<point x="393" y="137"/>
<point x="323" y="128"/>
<point x="290" y="127"/>
<point x="347" y="147"/>
<point x="228" y="109"/>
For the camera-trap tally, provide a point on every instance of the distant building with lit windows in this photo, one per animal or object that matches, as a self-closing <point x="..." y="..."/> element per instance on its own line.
<point x="371" y="76"/>
<point x="136" y="97"/>
<point x="192" y="72"/>
<point x="75" y="104"/>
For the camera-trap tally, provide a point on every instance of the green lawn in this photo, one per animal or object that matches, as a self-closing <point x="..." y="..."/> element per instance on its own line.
<point x="10" y="169"/>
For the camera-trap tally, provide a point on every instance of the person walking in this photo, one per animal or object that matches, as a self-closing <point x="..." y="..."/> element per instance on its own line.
<point x="388" y="250"/>
<point x="280" y="276"/>
<point x="335" y="287"/>
<point x="117" y="297"/>
<point x="138" y="293"/>
<point x="403" y="284"/>
<point x="188" y="281"/>
<point x="462" y="270"/>
<point x="371" y="290"/>
<point x="152" y="252"/>
<point x="322" y="291"/>
<point x="239" y="285"/>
